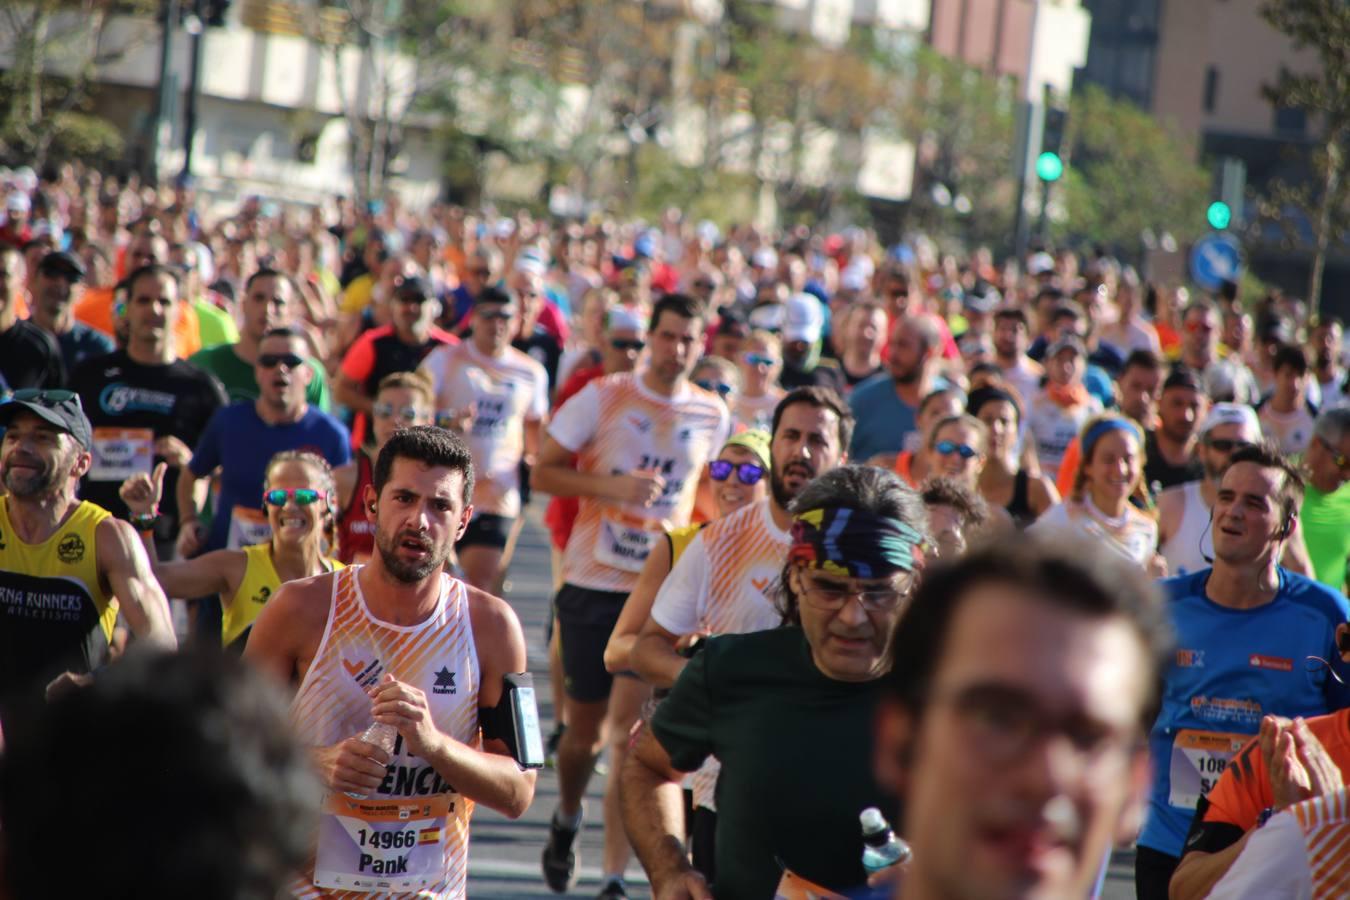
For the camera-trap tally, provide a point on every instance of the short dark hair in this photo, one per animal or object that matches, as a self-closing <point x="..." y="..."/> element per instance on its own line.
<point x="1142" y="359"/>
<point x="429" y="445"/>
<point x="1013" y="314"/>
<point x="155" y="270"/>
<point x="1065" y="311"/>
<point x="290" y="332"/>
<point x="868" y="488"/>
<point x="1068" y="573"/>
<point x="682" y="305"/>
<point x="1049" y="292"/>
<point x="269" y="272"/>
<point x="165" y="723"/>
<point x="494" y="294"/>
<point x="1267" y="455"/>
<point x="943" y="491"/>
<point x="820" y="398"/>
<point x="1292" y="356"/>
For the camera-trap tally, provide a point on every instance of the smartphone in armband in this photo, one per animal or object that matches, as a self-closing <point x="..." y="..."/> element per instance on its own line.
<point x="529" y="742"/>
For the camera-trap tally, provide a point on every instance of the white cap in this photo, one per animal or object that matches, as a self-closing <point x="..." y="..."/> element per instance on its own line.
<point x="804" y="320"/>
<point x="1040" y="263"/>
<point x="625" y="318"/>
<point x="531" y="264"/>
<point x="853" y="280"/>
<point x="18" y="201"/>
<point x="1232" y="414"/>
<point x="765" y="258"/>
<point x="768" y="317"/>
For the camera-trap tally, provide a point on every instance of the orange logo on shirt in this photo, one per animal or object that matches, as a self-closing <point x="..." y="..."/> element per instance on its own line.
<point x="761" y="584"/>
<point x="353" y="667"/>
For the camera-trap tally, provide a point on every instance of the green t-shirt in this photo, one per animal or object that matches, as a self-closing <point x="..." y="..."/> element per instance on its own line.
<point x="796" y="754"/>
<point x="1326" y="533"/>
<point x="237" y="376"/>
<point x="214" y="325"/>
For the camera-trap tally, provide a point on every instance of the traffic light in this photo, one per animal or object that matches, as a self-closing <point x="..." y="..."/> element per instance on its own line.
<point x="1050" y="162"/>
<point x="1219" y="215"/>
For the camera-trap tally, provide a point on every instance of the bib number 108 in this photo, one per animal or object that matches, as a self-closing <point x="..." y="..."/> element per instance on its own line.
<point x="387" y="840"/>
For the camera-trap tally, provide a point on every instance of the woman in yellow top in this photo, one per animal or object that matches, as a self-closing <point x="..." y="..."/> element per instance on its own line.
<point x="300" y="498"/>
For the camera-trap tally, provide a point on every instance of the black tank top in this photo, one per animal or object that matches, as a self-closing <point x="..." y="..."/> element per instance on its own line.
<point x="1019" y="507"/>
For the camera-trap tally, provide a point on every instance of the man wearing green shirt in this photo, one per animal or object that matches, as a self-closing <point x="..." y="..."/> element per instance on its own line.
<point x="788" y="712"/>
<point x="1325" y="514"/>
<point x="269" y="302"/>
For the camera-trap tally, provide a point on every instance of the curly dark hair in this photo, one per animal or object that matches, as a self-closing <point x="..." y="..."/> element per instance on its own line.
<point x="429" y="445"/>
<point x="969" y="505"/>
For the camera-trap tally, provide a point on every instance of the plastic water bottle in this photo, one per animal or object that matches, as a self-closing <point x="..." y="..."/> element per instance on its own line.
<point x="881" y="848"/>
<point x="383" y="736"/>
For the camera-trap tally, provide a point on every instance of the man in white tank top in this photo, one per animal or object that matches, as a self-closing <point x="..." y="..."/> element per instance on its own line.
<point x="401" y="644"/>
<point x="1184" y="534"/>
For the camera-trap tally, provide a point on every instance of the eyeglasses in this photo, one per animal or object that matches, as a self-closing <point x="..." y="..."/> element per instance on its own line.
<point x="302" y="496"/>
<point x="272" y="360"/>
<point x="1340" y="459"/>
<point x="386" y="410"/>
<point x="628" y="345"/>
<point x="947" y="448"/>
<point x="1225" y="445"/>
<point x="829" y="595"/>
<point x="758" y="359"/>
<point x="723" y="390"/>
<point x="746" y="473"/>
<point x="1002" y="725"/>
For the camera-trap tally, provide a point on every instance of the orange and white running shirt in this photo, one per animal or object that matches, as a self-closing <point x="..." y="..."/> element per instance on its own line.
<point x="1302" y="853"/>
<point x="410" y="838"/>
<point x="505" y="392"/>
<point x="618" y="426"/>
<point x="723" y="583"/>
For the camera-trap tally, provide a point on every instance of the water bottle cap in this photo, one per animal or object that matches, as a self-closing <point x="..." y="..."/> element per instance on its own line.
<point x="872" y="820"/>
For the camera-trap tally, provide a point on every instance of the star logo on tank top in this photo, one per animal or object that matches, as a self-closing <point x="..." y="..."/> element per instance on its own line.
<point x="445" y="682"/>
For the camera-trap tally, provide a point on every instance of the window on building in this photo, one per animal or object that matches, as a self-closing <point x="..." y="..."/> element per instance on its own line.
<point x="1211" y="89"/>
<point x="1291" y="122"/>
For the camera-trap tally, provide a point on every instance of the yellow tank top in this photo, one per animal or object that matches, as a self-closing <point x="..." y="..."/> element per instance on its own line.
<point x="680" y="538"/>
<point x="260" y="582"/>
<point x="54" y="615"/>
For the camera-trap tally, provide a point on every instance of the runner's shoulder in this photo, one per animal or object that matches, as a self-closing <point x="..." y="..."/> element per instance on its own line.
<point x="1307" y="592"/>
<point x="301" y="604"/>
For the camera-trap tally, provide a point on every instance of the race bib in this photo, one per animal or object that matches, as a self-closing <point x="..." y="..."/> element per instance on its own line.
<point x="248" y="527"/>
<point x="120" y="453"/>
<point x="1198" y="759"/>
<point x="382" y="844"/>
<point x="624" y="543"/>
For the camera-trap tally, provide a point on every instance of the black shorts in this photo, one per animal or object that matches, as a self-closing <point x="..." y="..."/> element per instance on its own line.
<point x="586" y="619"/>
<point x="486" y="530"/>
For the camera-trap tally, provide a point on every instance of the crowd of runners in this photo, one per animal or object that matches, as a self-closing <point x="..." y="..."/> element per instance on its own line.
<point x="1035" y="556"/>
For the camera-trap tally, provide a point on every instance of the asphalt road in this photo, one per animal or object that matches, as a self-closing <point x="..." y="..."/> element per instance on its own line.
<point x="504" y="855"/>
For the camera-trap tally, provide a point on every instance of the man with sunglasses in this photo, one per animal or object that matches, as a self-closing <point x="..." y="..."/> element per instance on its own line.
<point x="67" y="568"/>
<point x="399" y="346"/>
<point x="1245" y="630"/>
<point x="1325" y="514"/>
<point x="500" y="396"/>
<point x="788" y="711"/>
<point x="240" y="440"/>
<point x="269" y="302"/>
<point x="145" y="405"/>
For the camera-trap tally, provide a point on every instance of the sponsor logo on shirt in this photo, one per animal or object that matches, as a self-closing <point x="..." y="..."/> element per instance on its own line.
<point x="123" y="398"/>
<point x="445" y="682"/>
<point x="1191" y="659"/>
<point x="71" y="549"/>
<point x="641" y="424"/>
<point x="1278" y="663"/>
<point x="365" y="674"/>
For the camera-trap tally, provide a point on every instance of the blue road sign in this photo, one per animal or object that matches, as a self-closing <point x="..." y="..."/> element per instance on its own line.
<point x="1216" y="258"/>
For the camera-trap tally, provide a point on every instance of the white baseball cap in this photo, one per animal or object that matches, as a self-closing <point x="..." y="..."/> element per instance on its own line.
<point x="804" y="320"/>
<point x="1232" y="414"/>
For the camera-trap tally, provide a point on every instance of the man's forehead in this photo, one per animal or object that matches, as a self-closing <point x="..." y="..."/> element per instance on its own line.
<point x="1248" y="477"/>
<point x="1231" y="431"/>
<point x="807" y="416"/>
<point x="422" y="478"/>
<point x="282" y="345"/>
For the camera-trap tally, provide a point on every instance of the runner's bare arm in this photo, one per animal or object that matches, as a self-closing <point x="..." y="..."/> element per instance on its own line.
<point x="653" y="655"/>
<point x="350" y="394"/>
<point x="217" y="572"/>
<point x="122" y="560"/>
<point x="287" y="632"/>
<point x="1198" y="872"/>
<point x="489" y="776"/>
<point x="555" y="474"/>
<point x="1171" y="508"/>
<point x="637" y="609"/>
<point x="653" y="816"/>
<point x="534" y="440"/>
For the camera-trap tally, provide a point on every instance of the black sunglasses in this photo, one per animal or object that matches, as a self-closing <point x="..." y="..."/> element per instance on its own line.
<point x="55" y="395"/>
<point x="1225" y="445"/>
<point x="272" y="360"/>
<point x="626" y="345"/>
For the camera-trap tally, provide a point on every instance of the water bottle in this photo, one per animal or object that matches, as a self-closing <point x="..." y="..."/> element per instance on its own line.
<point x="383" y="736"/>
<point x="881" y="848"/>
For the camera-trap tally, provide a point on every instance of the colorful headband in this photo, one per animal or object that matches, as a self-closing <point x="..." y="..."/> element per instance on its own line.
<point x="1098" y="431"/>
<point x="855" y="543"/>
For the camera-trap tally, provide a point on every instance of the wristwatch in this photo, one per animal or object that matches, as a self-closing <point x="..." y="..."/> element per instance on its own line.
<point x="144" y="521"/>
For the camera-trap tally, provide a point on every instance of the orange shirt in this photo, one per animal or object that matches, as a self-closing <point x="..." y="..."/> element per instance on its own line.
<point x="95" y="309"/>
